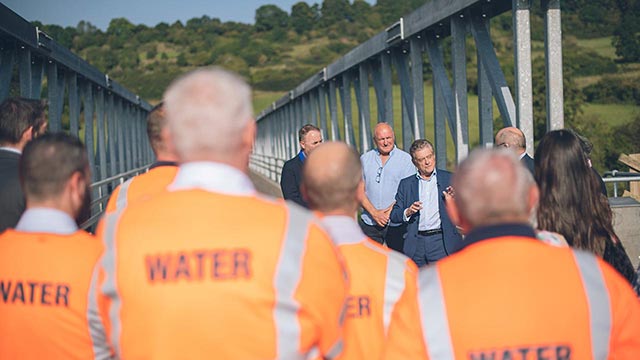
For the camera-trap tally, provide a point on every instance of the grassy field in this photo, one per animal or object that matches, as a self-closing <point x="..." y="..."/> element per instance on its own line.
<point x="613" y="114"/>
<point x="603" y="46"/>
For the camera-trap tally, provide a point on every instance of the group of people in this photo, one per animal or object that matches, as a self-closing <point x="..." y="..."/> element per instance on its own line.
<point x="404" y="202"/>
<point x="190" y="261"/>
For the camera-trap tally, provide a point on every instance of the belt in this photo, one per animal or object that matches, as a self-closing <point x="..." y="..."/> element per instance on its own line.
<point x="430" y="232"/>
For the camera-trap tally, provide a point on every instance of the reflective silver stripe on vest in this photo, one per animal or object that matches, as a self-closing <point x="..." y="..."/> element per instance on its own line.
<point x="97" y="330"/>
<point x="108" y="261"/>
<point x="121" y="201"/>
<point x="335" y="350"/>
<point x="599" y="303"/>
<point x="394" y="283"/>
<point x="287" y="276"/>
<point x="433" y="315"/>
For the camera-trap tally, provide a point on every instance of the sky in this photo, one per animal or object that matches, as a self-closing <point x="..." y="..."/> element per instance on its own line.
<point x="148" y="12"/>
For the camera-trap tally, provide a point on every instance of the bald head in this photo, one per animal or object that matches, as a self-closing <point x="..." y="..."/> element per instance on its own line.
<point x="208" y="112"/>
<point x="384" y="138"/>
<point x="493" y="187"/>
<point x="511" y="138"/>
<point x="332" y="176"/>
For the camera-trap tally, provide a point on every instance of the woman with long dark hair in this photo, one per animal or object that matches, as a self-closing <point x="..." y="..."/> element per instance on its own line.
<point x="571" y="203"/>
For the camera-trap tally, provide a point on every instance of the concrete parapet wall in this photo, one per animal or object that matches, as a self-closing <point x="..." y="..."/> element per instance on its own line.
<point x="626" y="222"/>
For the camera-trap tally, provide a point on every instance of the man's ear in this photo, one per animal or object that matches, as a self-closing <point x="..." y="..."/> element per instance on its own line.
<point x="360" y="193"/>
<point x="76" y="186"/>
<point x="27" y="135"/>
<point x="303" y="192"/>
<point x="452" y="210"/>
<point x="533" y="198"/>
<point x="249" y="134"/>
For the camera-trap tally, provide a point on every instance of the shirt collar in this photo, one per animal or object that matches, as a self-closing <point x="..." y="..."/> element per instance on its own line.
<point x="302" y="156"/>
<point x="390" y="152"/>
<point x="162" y="163"/>
<point x="343" y="229"/>
<point x="433" y="175"/>
<point x="214" y="177"/>
<point x="11" y="149"/>
<point x="500" y="230"/>
<point x="523" y="155"/>
<point x="46" y="220"/>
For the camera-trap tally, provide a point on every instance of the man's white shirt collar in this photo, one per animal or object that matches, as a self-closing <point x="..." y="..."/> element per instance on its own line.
<point x="46" y="220"/>
<point x="11" y="149"/>
<point x="343" y="229"/>
<point x="214" y="177"/>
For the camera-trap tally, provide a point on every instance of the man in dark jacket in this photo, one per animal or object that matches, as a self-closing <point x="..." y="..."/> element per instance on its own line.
<point x="21" y="120"/>
<point x="420" y="203"/>
<point x="309" y="137"/>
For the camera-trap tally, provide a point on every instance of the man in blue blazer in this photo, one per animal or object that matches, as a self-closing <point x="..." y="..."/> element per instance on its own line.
<point x="420" y="203"/>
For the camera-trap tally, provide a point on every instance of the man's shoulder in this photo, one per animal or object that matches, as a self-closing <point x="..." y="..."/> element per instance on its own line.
<point x="369" y="155"/>
<point x="9" y="158"/>
<point x="408" y="180"/>
<point x="294" y="161"/>
<point x="443" y="175"/>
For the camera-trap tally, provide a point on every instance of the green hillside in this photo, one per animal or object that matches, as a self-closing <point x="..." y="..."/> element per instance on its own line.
<point x="601" y="54"/>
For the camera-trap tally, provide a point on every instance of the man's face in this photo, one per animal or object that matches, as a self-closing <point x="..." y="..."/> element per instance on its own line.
<point x="425" y="161"/>
<point x="311" y="141"/>
<point x="384" y="139"/>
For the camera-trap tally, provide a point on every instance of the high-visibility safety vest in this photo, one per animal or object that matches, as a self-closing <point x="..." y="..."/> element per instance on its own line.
<point x="381" y="280"/>
<point x="195" y="274"/>
<point x="143" y="186"/>
<point x="45" y="312"/>
<point x="516" y="298"/>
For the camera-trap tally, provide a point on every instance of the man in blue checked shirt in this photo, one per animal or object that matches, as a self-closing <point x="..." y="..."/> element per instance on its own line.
<point x="383" y="168"/>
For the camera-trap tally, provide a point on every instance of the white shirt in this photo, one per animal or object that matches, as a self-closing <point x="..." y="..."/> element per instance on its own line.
<point x="343" y="229"/>
<point x="13" y="150"/>
<point x="46" y="220"/>
<point x="214" y="177"/>
<point x="428" y="195"/>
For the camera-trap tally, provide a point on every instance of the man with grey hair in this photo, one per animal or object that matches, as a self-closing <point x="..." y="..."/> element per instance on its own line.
<point x="513" y="139"/>
<point x="509" y="295"/>
<point x="209" y="263"/>
<point x="420" y="204"/>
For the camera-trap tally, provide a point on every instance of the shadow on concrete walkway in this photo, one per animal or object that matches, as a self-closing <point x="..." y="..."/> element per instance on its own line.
<point x="265" y="185"/>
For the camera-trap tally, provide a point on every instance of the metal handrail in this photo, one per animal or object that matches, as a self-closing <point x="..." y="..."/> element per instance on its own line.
<point x="102" y="198"/>
<point x="271" y="166"/>
<point x="616" y="176"/>
<point x="120" y="176"/>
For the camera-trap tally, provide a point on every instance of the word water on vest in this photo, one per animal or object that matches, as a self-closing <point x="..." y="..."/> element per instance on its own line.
<point x="34" y="293"/>
<point x="217" y="265"/>
<point x="541" y="352"/>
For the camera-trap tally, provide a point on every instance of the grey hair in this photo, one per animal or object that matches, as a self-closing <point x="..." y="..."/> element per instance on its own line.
<point x="492" y="185"/>
<point x="206" y="111"/>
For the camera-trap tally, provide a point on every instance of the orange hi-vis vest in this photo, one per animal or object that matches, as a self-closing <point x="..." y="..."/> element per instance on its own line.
<point x="44" y="290"/>
<point x="381" y="280"/>
<point x="143" y="186"/>
<point x="513" y="297"/>
<point x="194" y="273"/>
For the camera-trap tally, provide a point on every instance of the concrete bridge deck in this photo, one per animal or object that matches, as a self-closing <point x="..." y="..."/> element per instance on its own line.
<point x="265" y="185"/>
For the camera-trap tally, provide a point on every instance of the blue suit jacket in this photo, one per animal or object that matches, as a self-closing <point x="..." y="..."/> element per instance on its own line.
<point x="407" y="194"/>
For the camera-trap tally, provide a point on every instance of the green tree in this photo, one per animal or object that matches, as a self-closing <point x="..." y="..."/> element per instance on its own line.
<point x="627" y="34"/>
<point x="392" y="10"/>
<point x="270" y="17"/>
<point x="302" y="17"/>
<point x="335" y="11"/>
<point x="573" y="98"/>
<point x="119" y="32"/>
